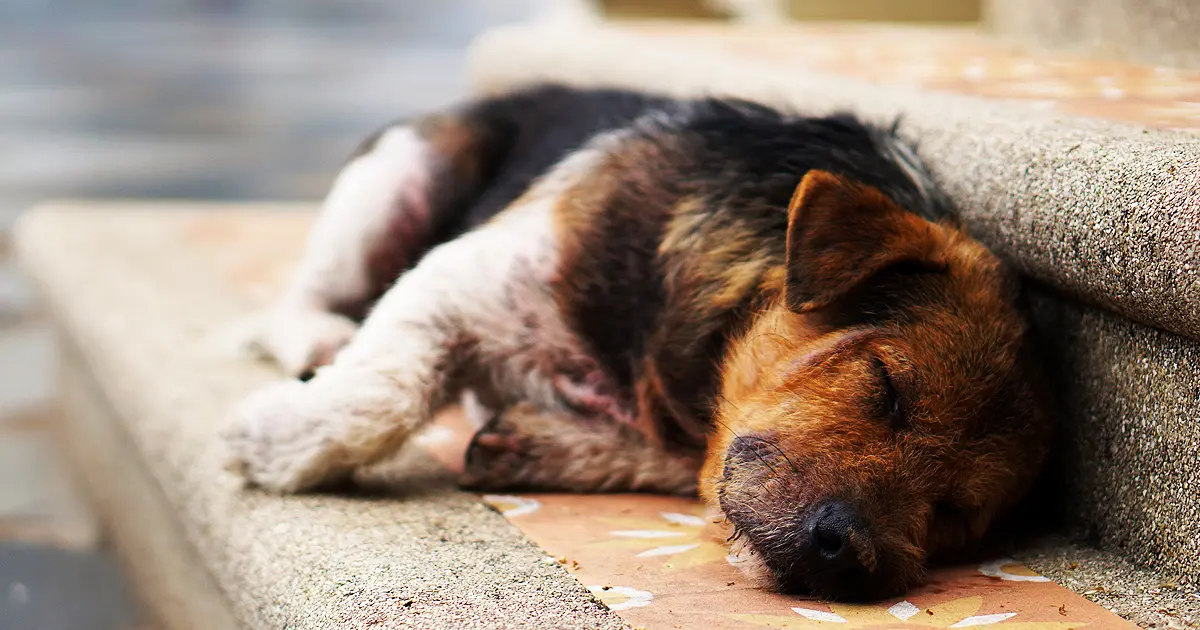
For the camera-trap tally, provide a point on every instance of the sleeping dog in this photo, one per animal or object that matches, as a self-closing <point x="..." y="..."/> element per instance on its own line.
<point x="671" y="296"/>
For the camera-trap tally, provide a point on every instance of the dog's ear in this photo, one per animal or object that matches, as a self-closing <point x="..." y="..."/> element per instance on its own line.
<point x="841" y="233"/>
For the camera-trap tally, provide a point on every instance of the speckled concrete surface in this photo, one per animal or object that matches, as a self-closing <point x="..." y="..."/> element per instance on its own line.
<point x="1128" y="458"/>
<point x="420" y="554"/>
<point x="1152" y="31"/>
<point x="1149" y="599"/>
<point x="1102" y="212"/>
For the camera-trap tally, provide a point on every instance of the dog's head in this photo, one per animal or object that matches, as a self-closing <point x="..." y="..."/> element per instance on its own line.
<point x="884" y="411"/>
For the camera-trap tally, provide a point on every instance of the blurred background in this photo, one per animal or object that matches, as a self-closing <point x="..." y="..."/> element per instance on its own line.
<point x="218" y="100"/>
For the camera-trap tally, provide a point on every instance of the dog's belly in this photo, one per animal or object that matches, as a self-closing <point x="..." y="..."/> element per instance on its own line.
<point x="524" y="348"/>
<point x="554" y="381"/>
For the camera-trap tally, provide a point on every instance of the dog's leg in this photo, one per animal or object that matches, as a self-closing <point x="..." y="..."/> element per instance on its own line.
<point x="469" y="305"/>
<point x="406" y="189"/>
<point x="374" y="211"/>
<point x="527" y="448"/>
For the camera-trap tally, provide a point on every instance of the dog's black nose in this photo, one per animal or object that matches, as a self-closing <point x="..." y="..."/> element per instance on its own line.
<point x="838" y="540"/>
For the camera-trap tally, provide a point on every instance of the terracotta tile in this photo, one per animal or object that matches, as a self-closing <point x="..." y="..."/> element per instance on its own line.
<point x="964" y="61"/>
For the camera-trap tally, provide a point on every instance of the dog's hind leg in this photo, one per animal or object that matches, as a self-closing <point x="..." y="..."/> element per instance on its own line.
<point x="528" y="448"/>
<point x="479" y="308"/>
<point x="406" y="189"/>
<point x="477" y="305"/>
<point x="413" y="186"/>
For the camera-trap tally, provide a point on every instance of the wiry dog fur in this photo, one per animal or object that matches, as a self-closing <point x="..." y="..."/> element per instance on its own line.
<point x="666" y="296"/>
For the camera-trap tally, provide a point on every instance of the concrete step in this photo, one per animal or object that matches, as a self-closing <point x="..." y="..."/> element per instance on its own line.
<point x="1147" y="598"/>
<point x="1084" y="174"/>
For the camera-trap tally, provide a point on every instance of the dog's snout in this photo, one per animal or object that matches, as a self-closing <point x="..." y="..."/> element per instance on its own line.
<point x="829" y="549"/>
<point x="838" y="540"/>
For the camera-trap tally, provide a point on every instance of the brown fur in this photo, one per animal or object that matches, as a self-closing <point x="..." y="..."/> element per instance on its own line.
<point x="800" y="333"/>
<point x="973" y="434"/>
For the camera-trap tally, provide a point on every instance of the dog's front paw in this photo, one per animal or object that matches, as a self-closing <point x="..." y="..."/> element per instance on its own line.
<point x="302" y="340"/>
<point x="498" y="458"/>
<point x="280" y="440"/>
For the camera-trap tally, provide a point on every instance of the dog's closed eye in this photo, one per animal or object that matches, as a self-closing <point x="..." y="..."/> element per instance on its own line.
<point x="891" y="403"/>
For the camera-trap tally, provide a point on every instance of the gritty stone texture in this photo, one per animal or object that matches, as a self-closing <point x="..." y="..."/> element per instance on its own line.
<point x="1128" y="455"/>
<point x="1152" y="31"/>
<point x="1103" y="213"/>
<point x="419" y="553"/>
<point x="171" y="580"/>
<point x="1147" y="598"/>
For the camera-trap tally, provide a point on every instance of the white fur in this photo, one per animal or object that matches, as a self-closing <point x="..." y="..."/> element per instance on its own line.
<point x="482" y="299"/>
<point x="387" y="184"/>
<point x="298" y="339"/>
<point x="371" y="189"/>
<point x="745" y="557"/>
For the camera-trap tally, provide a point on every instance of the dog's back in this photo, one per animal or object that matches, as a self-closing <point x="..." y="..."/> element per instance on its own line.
<point x="533" y="129"/>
